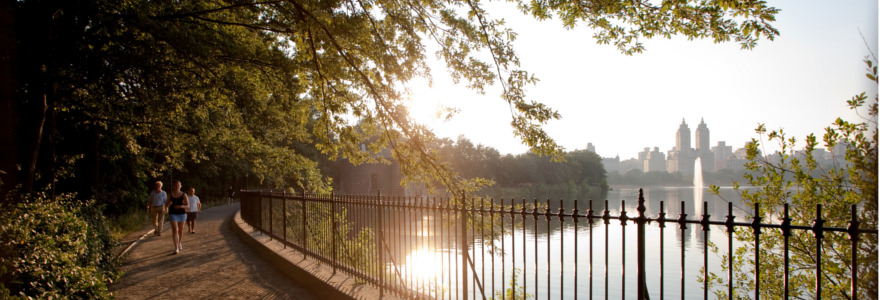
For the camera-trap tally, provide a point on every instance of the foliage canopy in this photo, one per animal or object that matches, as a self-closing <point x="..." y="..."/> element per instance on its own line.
<point x="122" y="91"/>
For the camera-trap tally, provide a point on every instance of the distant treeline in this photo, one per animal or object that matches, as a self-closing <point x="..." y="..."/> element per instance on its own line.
<point x="527" y="175"/>
<point x="723" y="177"/>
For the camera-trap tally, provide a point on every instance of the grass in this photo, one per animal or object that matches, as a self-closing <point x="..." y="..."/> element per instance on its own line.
<point x="127" y="223"/>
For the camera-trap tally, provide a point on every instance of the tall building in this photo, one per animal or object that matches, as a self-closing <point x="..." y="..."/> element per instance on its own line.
<point x="703" y="151"/>
<point x="742" y="153"/>
<point x="740" y="157"/>
<point x="683" y="137"/>
<point x="723" y="153"/>
<point x="655" y="161"/>
<point x="644" y="154"/>
<point x="681" y="158"/>
<point x="611" y="164"/>
<point x="631" y="164"/>
<point x="591" y="148"/>
<point x="702" y="136"/>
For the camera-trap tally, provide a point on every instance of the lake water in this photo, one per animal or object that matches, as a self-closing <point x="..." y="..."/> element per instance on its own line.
<point x="553" y="260"/>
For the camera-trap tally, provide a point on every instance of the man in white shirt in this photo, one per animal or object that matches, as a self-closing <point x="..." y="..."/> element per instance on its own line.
<point x="195" y="206"/>
<point x="156" y="207"/>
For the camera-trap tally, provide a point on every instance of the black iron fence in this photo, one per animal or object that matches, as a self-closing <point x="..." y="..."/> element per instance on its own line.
<point x="507" y="249"/>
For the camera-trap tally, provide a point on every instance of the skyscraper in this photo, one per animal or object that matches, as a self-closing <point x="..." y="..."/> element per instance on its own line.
<point x="704" y="152"/>
<point x="683" y="137"/>
<point x="702" y="135"/>
<point x="681" y="157"/>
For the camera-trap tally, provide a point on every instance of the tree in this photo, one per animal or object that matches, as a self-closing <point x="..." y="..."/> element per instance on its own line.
<point x="581" y="174"/>
<point x="237" y="84"/>
<point x="107" y="95"/>
<point x="796" y="179"/>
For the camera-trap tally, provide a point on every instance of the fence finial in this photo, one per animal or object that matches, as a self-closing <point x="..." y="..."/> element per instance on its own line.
<point x="640" y="248"/>
<point x="641" y="208"/>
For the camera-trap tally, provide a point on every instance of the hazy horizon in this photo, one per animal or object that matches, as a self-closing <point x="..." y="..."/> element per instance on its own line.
<point x="622" y="104"/>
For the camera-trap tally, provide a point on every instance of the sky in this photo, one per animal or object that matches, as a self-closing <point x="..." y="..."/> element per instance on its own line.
<point x="621" y="104"/>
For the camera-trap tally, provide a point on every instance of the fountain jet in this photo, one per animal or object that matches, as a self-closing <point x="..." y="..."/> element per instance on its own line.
<point x="698" y="185"/>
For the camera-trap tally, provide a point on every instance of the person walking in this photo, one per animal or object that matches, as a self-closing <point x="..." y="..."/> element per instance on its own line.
<point x="230" y="196"/>
<point x="177" y="206"/>
<point x="156" y="207"/>
<point x="195" y="206"/>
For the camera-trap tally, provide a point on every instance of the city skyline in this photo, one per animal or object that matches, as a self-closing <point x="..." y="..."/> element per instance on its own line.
<point x="798" y="82"/>
<point x="682" y="156"/>
<point x="701" y="137"/>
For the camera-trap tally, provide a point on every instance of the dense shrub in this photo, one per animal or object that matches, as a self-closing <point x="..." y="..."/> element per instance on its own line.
<point x="55" y="248"/>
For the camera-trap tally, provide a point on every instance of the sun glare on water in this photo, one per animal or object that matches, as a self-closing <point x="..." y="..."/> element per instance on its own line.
<point x="424" y="262"/>
<point x="425" y="266"/>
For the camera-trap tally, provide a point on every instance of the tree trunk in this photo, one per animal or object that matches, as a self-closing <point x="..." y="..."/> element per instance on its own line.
<point x="33" y="152"/>
<point x="8" y="83"/>
<point x="92" y="163"/>
<point x="40" y="42"/>
<point x="51" y="139"/>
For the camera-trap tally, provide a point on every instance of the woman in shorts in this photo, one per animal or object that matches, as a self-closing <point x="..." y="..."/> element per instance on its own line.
<point x="177" y="206"/>
<point x="195" y="206"/>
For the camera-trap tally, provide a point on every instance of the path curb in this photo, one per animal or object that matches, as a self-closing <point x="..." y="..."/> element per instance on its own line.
<point x="133" y="243"/>
<point x="316" y="277"/>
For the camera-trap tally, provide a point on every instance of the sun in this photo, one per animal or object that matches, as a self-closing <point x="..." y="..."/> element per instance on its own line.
<point x="423" y="103"/>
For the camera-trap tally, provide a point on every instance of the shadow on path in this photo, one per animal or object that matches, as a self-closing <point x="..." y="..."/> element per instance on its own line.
<point x="214" y="263"/>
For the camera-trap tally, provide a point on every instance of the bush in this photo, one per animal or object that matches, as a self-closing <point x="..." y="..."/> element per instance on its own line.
<point x="57" y="248"/>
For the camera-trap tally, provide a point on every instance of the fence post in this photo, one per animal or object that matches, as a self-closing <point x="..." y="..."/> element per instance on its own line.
<point x="333" y="230"/>
<point x="259" y="204"/>
<point x="244" y="211"/>
<point x="756" y="227"/>
<point x="464" y="250"/>
<point x="381" y="244"/>
<point x="640" y="221"/>
<point x="271" y="212"/>
<point x="853" y="230"/>
<point x="818" y="230"/>
<point x="305" y="238"/>
<point x="284" y="216"/>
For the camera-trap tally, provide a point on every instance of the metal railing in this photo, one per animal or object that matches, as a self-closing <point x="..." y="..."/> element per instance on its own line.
<point x="429" y="248"/>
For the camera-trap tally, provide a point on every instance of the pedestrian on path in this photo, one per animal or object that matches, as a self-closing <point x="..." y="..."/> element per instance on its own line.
<point x="156" y="207"/>
<point x="177" y="213"/>
<point x="230" y="196"/>
<point x="195" y="206"/>
<point x="219" y="265"/>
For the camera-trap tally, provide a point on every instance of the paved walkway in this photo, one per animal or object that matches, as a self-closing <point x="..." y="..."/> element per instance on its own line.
<point x="214" y="263"/>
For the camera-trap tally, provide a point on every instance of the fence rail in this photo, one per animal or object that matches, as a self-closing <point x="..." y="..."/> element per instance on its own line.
<point x="430" y="248"/>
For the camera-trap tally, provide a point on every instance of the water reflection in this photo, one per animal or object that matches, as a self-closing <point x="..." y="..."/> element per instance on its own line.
<point x="423" y="264"/>
<point x="563" y="259"/>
